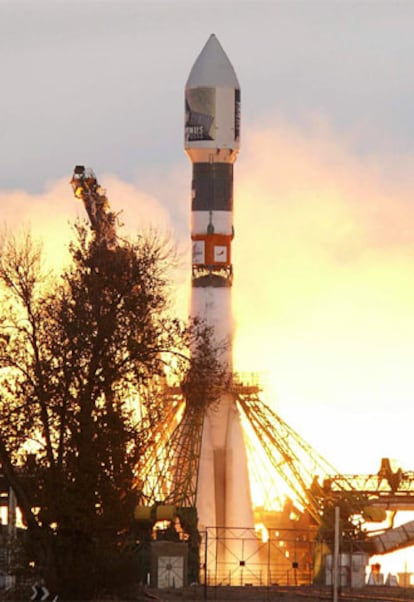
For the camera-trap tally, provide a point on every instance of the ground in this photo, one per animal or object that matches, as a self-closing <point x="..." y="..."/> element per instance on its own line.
<point x="271" y="594"/>
<point x="247" y="594"/>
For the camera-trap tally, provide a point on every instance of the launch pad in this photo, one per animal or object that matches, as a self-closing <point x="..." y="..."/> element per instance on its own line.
<point x="252" y="500"/>
<point x="294" y="493"/>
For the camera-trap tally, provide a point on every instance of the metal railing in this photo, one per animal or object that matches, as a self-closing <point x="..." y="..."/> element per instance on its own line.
<point x="239" y="557"/>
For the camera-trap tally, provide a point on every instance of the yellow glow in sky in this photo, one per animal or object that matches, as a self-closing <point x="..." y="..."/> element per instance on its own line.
<point x="324" y="294"/>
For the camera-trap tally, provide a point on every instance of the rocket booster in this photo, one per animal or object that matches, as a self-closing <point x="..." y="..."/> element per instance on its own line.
<point x="212" y="141"/>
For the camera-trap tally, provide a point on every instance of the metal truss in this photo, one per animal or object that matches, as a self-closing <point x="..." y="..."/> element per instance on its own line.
<point x="168" y="468"/>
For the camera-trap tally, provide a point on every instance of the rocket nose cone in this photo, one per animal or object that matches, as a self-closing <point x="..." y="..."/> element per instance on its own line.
<point x="212" y="67"/>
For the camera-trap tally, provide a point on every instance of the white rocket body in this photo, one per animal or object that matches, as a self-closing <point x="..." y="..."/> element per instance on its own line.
<point x="212" y="140"/>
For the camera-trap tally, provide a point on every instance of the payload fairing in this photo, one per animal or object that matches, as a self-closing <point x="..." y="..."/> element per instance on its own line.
<point x="212" y="141"/>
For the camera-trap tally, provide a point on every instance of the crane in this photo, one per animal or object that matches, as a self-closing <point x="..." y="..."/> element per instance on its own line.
<point x="102" y="219"/>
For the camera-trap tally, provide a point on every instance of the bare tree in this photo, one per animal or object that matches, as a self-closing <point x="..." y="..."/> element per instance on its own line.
<point x="72" y="351"/>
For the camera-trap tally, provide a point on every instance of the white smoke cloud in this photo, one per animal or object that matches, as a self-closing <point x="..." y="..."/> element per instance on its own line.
<point x="324" y="265"/>
<point x="323" y="286"/>
<point x="47" y="216"/>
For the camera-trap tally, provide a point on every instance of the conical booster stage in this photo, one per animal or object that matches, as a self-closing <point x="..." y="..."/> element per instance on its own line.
<point x="212" y="141"/>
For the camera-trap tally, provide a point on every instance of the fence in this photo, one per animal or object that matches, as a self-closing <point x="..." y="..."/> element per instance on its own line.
<point x="241" y="557"/>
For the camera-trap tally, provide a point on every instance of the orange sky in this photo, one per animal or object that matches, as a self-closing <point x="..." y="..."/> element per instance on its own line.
<point x="324" y="264"/>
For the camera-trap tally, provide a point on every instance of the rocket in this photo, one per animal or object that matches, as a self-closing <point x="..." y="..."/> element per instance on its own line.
<point x="212" y="142"/>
